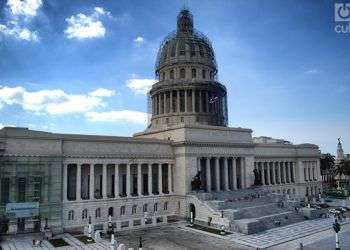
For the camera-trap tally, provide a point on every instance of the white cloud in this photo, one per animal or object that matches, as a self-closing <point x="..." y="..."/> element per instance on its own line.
<point x="140" y="86"/>
<point x="102" y="92"/>
<point x="139" y="40"/>
<point x="24" y="7"/>
<point x="127" y="116"/>
<point x="6" y="125"/>
<point x="19" y="33"/>
<point x="312" y="71"/>
<point x="21" y="13"/>
<point x="54" y="102"/>
<point x="83" y="26"/>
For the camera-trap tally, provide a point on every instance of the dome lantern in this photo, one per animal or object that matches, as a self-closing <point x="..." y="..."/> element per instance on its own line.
<point x="184" y="22"/>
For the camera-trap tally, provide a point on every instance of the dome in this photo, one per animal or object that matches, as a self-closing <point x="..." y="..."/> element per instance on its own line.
<point x="185" y="45"/>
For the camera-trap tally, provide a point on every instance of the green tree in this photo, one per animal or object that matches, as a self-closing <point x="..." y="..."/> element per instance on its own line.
<point x="342" y="168"/>
<point x="327" y="161"/>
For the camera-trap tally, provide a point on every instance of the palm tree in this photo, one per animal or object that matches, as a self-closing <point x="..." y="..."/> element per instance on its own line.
<point x="342" y="168"/>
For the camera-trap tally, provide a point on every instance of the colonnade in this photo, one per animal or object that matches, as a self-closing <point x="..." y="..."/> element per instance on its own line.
<point x="222" y="173"/>
<point x="273" y="173"/>
<point x="185" y="100"/>
<point x="116" y="180"/>
<point x="310" y="171"/>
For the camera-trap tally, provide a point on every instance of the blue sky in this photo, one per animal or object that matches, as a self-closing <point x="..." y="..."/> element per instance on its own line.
<point x="84" y="66"/>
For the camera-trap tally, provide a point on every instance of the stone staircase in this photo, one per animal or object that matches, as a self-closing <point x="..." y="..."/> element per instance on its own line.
<point x="251" y="210"/>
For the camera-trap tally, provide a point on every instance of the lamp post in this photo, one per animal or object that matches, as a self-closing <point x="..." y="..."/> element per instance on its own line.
<point x="140" y="243"/>
<point x="89" y="230"/>
<point x="336" y="227"/>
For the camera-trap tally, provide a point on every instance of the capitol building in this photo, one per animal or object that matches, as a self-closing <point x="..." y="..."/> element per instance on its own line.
<point x="187" y="162"/>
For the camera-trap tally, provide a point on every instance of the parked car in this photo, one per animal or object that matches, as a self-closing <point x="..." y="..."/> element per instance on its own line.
<point x="334" y="211"/>
<point x="324" y="205"/>
<point x="346" y="208"/>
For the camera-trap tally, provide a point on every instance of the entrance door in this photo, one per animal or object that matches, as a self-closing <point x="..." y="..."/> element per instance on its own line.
<point x="20" y="225"/>
<point x="37" y="225"/>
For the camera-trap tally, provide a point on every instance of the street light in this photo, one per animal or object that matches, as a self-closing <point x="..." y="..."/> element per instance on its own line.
<point x="336" y="227"/>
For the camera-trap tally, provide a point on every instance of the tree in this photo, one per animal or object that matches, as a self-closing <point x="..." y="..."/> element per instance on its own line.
<point x="327" y="161"/>
<point x="342" y="168"/>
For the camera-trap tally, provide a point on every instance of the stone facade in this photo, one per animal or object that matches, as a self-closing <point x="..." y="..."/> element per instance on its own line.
<point x="148" y="179"/>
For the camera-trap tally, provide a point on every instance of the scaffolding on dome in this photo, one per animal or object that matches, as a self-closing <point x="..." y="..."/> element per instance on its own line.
<point x="196" y="35"/>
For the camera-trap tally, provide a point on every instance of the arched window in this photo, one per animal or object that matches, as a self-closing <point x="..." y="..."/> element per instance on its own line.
<point x="144" y="208"/>
<point x="204" y="74"/>
<point x="98" y="213"/>
<point x="84" y="214"/>
<point x="122" y="210"/>
<point x="110" y="211"/>
<point x="134" y="209"/>
<point x="182" y="73"/>
<point x="172" y="74"/>
<point x="163" y="75"/>
<point x="194" y="73"/>
<point x="166" y="205"/>
<point x="155" y="207"/>
<point x="71" y="215"/>
<point x="211" y="75"/>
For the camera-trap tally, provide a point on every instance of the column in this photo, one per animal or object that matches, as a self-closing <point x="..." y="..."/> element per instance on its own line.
<point x="65" y="195"/>
<point x="293" y="171"/>
<point x="226" y="174"/>
<point x="160" y="180"/>
<point x="128" y="179"/>
<point x="217" y="174"/>
<point x="234" y="173"/>
<point x="200" y="101"/>
<point x="309" y="170"/>
<point x="150" y="191"/>
<point x="243" y="175"/>
<point x="268" y="173"/>
<point x="171" y="101"/>
<point x="116" y="181"/>
<point x="178" y="101"/>
<point x="185" y="98"/>
<point x="288" y="171"/>
<point x="170" y="183"/>
<point x="207" y="101"/>
<point x="92" y="182"/>
<point x="279" y="173"/>
<point x="139" y="191"/>
<point x="281" y="167"/>
<point x="262" y="173"/>
<point x="78" y="194"/>
<point x="207" y="175"/>
<point x="104" y="181"/>
<point x="164" y="103"/>
<point x="159" y="104"/>
<point x="193" y="100"/>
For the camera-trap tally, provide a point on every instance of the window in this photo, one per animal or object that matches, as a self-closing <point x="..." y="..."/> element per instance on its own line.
<point x="155" y="207"/>
<point x="71" y="215"/>
<point x="166" y="205"/>
<point x="98" y="213"/>
<point x="144" y="208"/>
<point x="172" y="74"/>
<point x="182" y="73"/>
<point x="5" y="190"/>
<point x="182" y="119"/>
<point x="110" y="211"/>
<point x="37" y="188"/>
<point x="204" y="74"/>
<point x="194" y="73"/>
<point x="163" y="76"/>
<point x="22" y="189"/>
<point x="122" y="210"/>
<point x="84" y="214"/>
<point x="211" y="75"/>
<point x="134" y="209"/>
